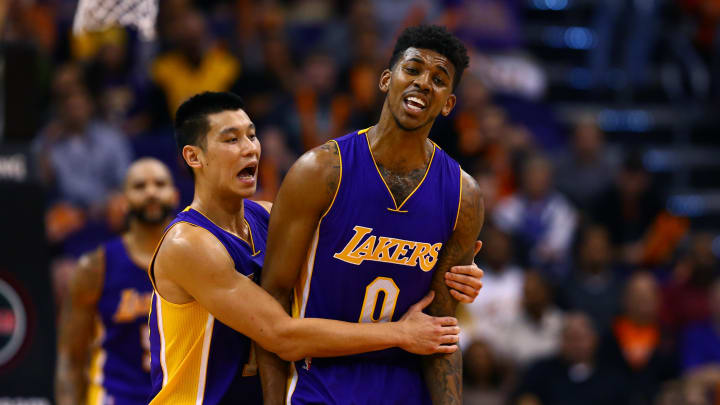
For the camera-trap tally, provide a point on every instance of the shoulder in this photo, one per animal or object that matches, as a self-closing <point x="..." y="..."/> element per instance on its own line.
<point x="87" y="281"/>
<point x="317" y="169"/>
<point x="186" y="245"/>
<point x="318" y="158"/>
<point x="471" y="202"/>
<point x="471" y="188"/>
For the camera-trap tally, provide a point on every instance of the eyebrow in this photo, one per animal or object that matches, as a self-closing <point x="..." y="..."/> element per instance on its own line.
<point x="418" y="60"/>
<point x="250" y="127"/>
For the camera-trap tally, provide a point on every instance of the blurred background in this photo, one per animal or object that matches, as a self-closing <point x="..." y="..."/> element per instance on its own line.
<point x="591" y="126"/>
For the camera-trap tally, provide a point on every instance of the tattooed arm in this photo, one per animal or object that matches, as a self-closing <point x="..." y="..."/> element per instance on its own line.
<point x="77" y="317"/>
<point x="443" y="372"/>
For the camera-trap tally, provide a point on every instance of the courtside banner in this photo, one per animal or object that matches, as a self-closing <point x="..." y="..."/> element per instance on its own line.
<point x="27" y="329"/>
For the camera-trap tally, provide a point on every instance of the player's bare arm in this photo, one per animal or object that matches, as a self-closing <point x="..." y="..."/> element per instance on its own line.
<point x="305" y="194"/>
<point x="77" y="317"/>
<point x="465" y="282"/>
<point x="443" y="372"/>
<point x="191" y="265"/>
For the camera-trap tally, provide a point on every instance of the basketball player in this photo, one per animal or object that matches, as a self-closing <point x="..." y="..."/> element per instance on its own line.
<point x="376" y="219"/>
<point x="109" y="301"/>
<point x="204" y="269"/>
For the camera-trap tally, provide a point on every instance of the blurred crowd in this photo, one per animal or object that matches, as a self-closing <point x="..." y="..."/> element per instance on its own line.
<point x="593" y="292"/>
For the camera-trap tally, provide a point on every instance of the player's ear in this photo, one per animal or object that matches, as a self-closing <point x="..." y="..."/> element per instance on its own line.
<point x="449" y="105"/>
<point x="191" y="154"/>
<point x="385" y="80"/>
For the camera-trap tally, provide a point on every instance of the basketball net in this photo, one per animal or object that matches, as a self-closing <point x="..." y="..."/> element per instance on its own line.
<point x="98" y="15"/>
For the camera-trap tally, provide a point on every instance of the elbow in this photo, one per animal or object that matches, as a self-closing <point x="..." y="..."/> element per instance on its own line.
<point x="283" y="342"/>
<point x="291" y="355"/>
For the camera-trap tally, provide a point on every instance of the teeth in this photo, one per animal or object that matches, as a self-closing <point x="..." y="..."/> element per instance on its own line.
<point x="416" y="100"/>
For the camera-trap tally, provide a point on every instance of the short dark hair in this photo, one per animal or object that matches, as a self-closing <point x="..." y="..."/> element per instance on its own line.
<point x="191" y="123"/>
<point x="436" y="38"/>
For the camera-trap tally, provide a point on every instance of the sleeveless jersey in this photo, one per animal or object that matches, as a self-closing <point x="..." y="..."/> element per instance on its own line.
<point x="370" y="260"/>
<point x="120" y="365"/>
<point x="197" y="359"/>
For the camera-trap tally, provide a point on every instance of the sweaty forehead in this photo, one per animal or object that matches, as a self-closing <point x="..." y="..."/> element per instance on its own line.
<point x="429" y="57"/>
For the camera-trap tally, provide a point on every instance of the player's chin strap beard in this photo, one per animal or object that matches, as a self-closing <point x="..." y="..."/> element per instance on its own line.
<point x="140" y="215"/>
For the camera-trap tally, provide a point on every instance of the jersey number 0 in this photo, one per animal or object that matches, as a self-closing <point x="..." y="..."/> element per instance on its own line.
<point x="373" y="298"/>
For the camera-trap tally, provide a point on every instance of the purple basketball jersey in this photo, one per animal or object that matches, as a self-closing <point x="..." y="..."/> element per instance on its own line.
<point x="120" y="365"/>
<point x="219" y="369"/>
<point x="371" y="259"/>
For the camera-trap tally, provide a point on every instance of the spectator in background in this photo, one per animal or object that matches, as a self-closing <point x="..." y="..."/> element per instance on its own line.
<point x="500" y="302"/>
<point x="318" y="112"/>
<point x="540" y="218"/>
<point x="701" y="340"/>
<point x="638" y="346"/>
<point x="535" y="331"/>
<point x="264" y="87"/>
<point x="194" y="64"/>
<point x="394" y="16"/>
<point x="489" y="25"/>
<point x="475" y="131"/>
<point x="487" y="180"/>
<point x="586" y="170"/>
<point x="109" y="73"/>
<point x="633" y="211"/>
<point x="82" y="162"/>
<point x="593" y="286"/>
<point x="33" y="21"/>
<point x="612" y="17"/>
<point x="574" y="376"/>
<point x="701" y="355"/>
<point x="82" y="158"/>
<point x="487" y="380"/>
<point x="277" y="159"/>
<point x="686" y="296"/>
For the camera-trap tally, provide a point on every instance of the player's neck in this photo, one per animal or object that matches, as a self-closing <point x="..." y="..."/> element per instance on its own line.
<point x="398" y="149"/>
<point x="226" y="213"/>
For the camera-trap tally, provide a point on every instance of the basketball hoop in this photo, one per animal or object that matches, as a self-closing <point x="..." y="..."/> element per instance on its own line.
<point x="98" y="15"/>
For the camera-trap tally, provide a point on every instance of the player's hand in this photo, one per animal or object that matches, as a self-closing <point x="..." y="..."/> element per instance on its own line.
<point x="465" y="282"/>
<point x="425" y="334"/>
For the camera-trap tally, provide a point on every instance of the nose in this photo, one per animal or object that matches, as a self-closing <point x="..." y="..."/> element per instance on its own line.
<point x="250" y="147"/>
<point x="151" y="190"/>
<point x="422" y="82"/>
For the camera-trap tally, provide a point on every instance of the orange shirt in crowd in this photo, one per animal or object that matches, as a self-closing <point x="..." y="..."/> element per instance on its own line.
<point x="637" y="342"/>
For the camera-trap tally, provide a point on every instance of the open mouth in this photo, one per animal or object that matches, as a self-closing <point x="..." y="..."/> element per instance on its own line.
<point x="415" y="104"/>
<point x="248" y="172"/>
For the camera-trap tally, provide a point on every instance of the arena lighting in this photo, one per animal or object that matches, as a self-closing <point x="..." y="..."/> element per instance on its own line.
<point x="580" y="38"/>
<point x="689" y="205"/>
<point x="625" y="120"/>
<point x="550" y="4"/>
<point x="657" y="160"/>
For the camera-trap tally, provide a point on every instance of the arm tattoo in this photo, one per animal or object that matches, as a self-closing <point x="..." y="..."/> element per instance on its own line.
<point x="333" y="175"/>
<point x="443" y="373"/>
